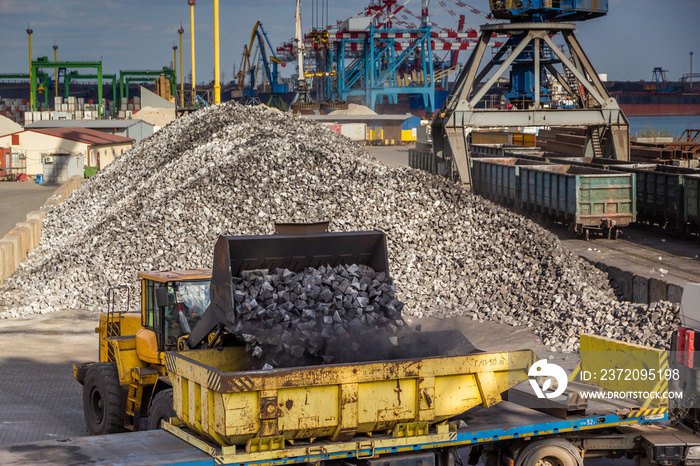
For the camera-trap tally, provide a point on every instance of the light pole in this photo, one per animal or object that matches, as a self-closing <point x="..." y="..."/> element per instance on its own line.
<point x="31" y="88"/>
<point x="192" y="3"/>
<point x="174" y="91"/>
<point x="217" y="83"/>
<point x="182" y="76"/>
<point x="55" y="72"/>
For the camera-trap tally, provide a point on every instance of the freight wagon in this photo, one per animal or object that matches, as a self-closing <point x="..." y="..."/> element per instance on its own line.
<point x="661" y="192"/>
<point x="498" y="178"/>
<point x="583" y="198"/>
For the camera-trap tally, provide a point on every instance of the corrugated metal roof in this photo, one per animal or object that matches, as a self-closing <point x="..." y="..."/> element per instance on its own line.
<point x="103" y="124"/>
<point x="85" y="135"/>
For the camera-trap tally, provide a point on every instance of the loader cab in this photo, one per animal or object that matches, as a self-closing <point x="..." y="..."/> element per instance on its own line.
<point x="172" y="303"/>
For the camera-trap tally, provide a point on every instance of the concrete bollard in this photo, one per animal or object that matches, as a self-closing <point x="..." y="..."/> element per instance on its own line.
<point x="10" y="245"/>
<point x="37" y="215"/>
<point x="640" y="289"/>
<point x="36" y="228"/>
<point x="32" y="237"/>
<point x="22" y="242"/>
<point x="2" y="264"/>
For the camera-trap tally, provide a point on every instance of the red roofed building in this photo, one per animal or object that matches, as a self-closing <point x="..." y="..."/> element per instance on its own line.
<point x="98" y="149"/>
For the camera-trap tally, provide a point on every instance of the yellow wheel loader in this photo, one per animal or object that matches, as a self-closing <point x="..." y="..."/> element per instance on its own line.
<point x="130" y="381"/>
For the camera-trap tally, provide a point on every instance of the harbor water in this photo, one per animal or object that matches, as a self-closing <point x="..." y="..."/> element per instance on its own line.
<point x="662" y="126"/>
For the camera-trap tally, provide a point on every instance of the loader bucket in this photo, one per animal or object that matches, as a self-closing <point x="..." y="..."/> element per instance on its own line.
<point x="234" y="254"/>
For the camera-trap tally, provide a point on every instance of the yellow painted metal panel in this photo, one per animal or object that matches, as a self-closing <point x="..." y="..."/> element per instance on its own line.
<point x="130" y="323"/>
<point x="384" y="403"/>
<point x="335" y="400"/>
<point x="348" y="413"/>
<point x="309" y="411"/>
<point x="615" y="365"/>
<point x="488" y="388"/>
<point x="126" y="357"/>
<point x="408" y="135"/>
<point x="452" y="393"/>
<point x="238" y="414"/>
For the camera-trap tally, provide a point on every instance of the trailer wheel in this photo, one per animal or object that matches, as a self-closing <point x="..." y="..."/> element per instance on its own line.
<point x="550" y="455"/>
<point x="161" y="408"/>
<point x="102" y="399"/>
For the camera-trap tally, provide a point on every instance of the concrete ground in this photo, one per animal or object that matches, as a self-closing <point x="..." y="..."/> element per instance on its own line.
<point x="39" y="398"/>
<point x="390" y="155"/>
<point x="646" y="251"/>
<point x="18" y="198"/>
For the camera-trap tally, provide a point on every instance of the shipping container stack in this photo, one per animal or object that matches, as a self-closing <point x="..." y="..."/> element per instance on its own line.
<point x="14" y="109"/>
<point x="70" y="108"/>
<point x="129" y="107"/>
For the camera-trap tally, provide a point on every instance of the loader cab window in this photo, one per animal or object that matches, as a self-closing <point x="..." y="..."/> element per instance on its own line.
<point x="192" y="299"/>
<point x="152" y="317"/>
<point x="186" y="302"/>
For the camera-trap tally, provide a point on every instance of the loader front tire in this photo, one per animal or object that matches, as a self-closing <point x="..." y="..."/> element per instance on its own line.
<point x="161" y="408"/>
<point x="102" y="399"/>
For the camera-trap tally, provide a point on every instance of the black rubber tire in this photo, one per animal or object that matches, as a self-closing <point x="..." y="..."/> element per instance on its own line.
<point x="102" y="399"/>
<point x="161" y="408"/>
<point x="550" y="455"/>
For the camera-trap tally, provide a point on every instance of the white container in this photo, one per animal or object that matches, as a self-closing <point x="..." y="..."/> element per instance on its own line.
<point x="78" y="114"/>
<point x="355" y="24"/>
<point x="58" y="100"/>
<point x="45" y="115"/>
<point x="28" y="117"/>
<point x="81" y="100"/>
<point x="122" y="114"/>
<point x="88" y="114"/>
<point x="71" y="100"/>
<point x="354" y="131"/>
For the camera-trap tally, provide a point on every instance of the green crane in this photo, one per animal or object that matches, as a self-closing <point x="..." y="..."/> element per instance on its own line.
<point x="74" y="76"/>
<point x="43" y="62"/>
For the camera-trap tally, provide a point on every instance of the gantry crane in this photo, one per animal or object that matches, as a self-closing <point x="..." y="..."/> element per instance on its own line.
<point x="535" y="63"/>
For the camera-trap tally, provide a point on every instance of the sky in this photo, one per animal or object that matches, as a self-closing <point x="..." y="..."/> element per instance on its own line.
<point x="635" y="36"/>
